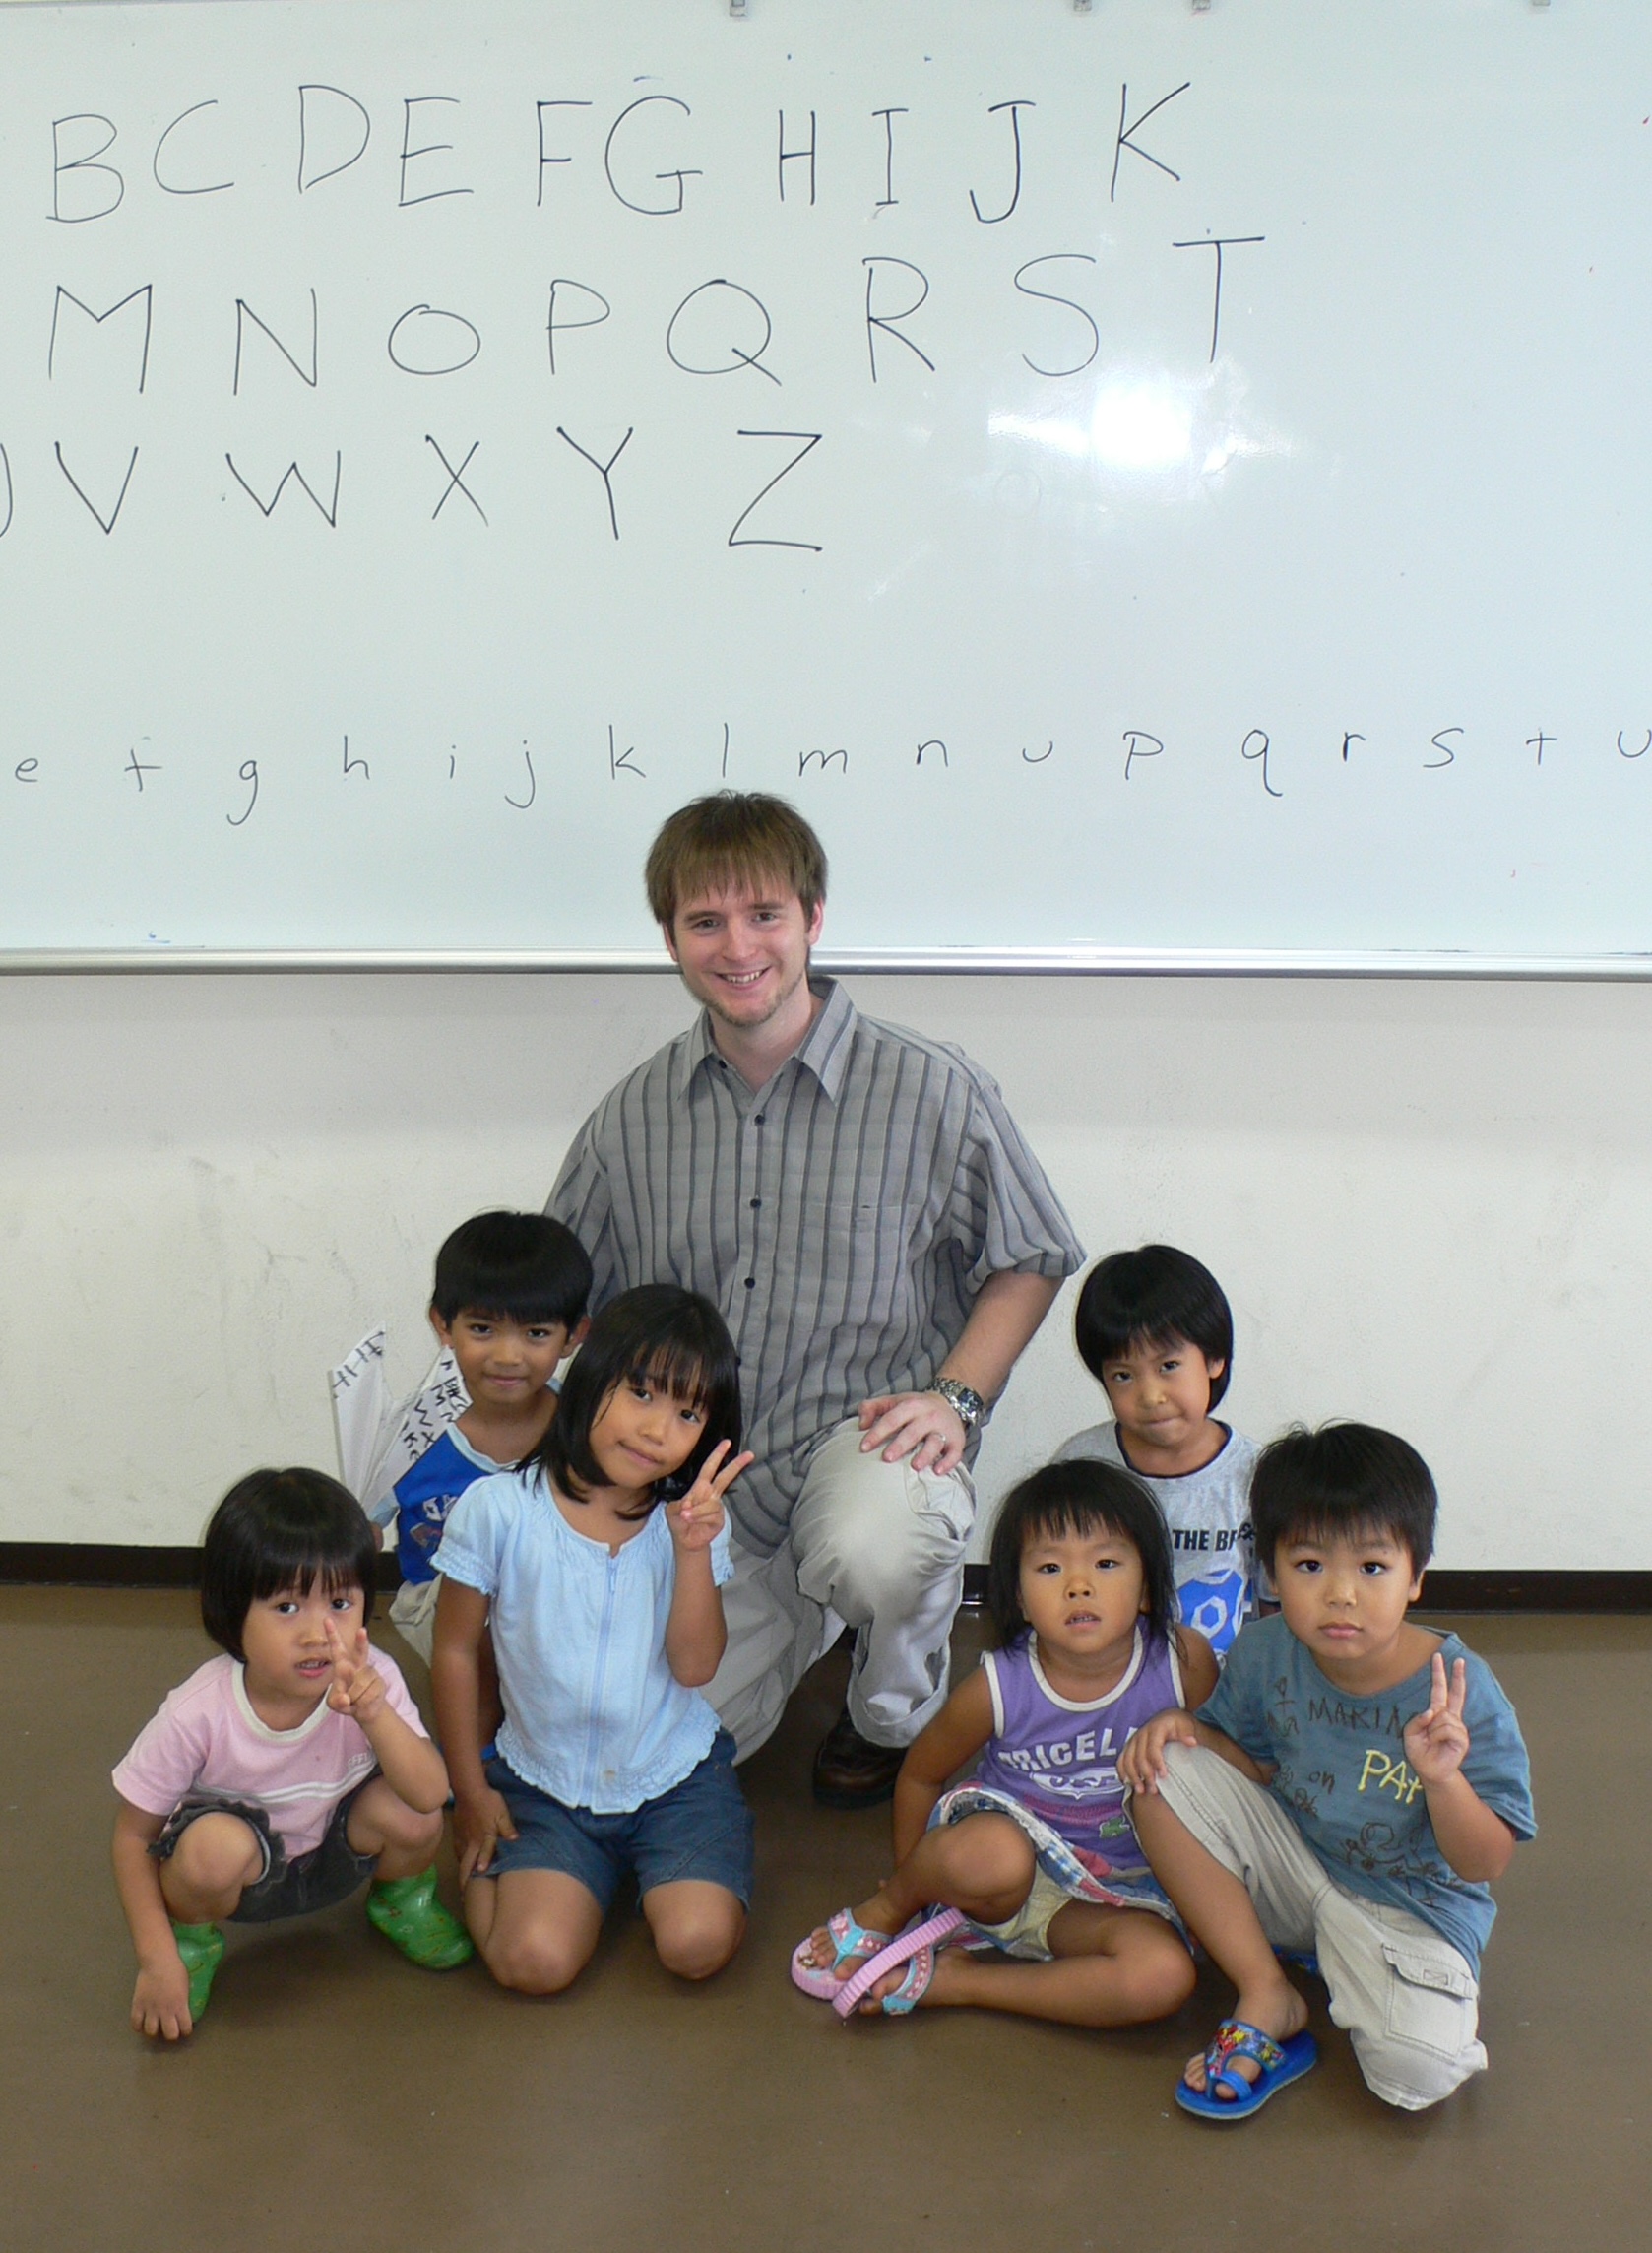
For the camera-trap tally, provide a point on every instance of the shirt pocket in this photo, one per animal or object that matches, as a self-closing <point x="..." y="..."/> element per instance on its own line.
<point x="1431" y="2001"/>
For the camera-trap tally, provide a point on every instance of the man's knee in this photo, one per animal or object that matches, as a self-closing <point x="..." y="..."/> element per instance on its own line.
<point x="871" y="1538"/>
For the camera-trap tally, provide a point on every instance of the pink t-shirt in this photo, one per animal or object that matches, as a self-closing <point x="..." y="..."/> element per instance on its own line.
<point x="206" y="1737"/>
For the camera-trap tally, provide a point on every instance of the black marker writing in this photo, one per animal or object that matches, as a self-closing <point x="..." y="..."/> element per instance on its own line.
<point x="810" y="440"/>
<point x="1256" y="746"/>
<point x="1621" y="752"/>
<point x="145" y="291"/>
<point x="1015" y="108"/>
<point x="1134" y="738"/>
<point x="552" y="323"/>
<point x="330" y="511"/>
<point x="356" y="766"/>
<point x="1053" y="297"/>
<point x="604" y="470"/>
<point x="649" y="210"/>
<point x="523" y="804"/>
<point x="1126" y="130"/>
<point x="795" y="155"/>
<point x="308" y="128"/>
<point x="206" y="188"/>
<point x="1037" y="759"/>
<point x="539" y="108"/>
<point x="82" y="163"/>
<point x="887" y="321"/>
<point x="738" y="358"/>
<point x="806" y="759"/>
<point x="1218" y="243"/>
<point x="410" y="103"/>
<point x="137" y="769"/>
<point x="1538" y="743"/>
<point x="249" y="773"/>
<point x="1348" y="738"/>
<point x="455" y="480"/>
<point x="888" y="198"/>
<point x="723" y="770"/>
<point x="108" y="523"/>
<point x="438" y="343"/>
<point x="245" y="313"/>
<point x="625" y="763"/>
<point x="26" y="770"/>
<point x="6" y="488"/>
<point x="1440" y="745"/>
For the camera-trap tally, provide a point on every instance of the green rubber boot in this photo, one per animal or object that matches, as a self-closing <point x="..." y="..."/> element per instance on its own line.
<point x="408" y="1915"/>
<point x="201" y="1947"/>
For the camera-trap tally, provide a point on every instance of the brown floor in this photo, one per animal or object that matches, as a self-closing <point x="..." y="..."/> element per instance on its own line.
<point x="336" y="2097"/>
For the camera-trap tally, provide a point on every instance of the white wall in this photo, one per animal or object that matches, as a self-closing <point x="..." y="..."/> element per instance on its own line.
<point x="1428" y="1204"/>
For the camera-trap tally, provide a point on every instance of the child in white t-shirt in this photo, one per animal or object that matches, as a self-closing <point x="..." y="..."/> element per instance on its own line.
<point x="286" y="1773"/>
<point x="1155" y="1330"/>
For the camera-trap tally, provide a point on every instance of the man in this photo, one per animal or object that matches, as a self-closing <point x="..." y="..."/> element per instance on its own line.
<point x="859" y="1204"/>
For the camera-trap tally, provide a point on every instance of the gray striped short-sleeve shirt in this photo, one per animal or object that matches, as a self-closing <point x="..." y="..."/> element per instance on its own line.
<point x="843" y="1218"/>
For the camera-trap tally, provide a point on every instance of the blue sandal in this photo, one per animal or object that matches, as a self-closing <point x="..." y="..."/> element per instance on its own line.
<point x="1280" y="2062"/>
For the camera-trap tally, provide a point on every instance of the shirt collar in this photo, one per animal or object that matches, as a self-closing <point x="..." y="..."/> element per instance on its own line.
<point x="824" y="1050"/>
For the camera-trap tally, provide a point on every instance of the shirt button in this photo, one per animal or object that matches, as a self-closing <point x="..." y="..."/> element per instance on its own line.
<point x="758" y="1120"/>
<point x="751" y="1282"/>
<point x="755" y="1203"/>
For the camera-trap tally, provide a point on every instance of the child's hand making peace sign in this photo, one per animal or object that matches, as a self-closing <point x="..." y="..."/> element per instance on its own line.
<point x="356" y="1687"/>
<point x="1438" y="1741"/>
<point x="697" y="1520"/>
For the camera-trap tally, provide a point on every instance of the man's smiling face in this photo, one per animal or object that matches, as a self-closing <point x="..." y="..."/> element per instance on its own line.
<point x="745" y="954"/>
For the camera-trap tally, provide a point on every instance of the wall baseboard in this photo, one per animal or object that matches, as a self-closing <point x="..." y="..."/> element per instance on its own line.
<point x="119" y="1564"/>
<point x="122" y="1565"/>
<point x="1487" y="1592"/>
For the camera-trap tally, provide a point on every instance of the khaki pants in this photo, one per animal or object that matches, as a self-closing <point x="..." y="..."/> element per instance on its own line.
<point x="881" y="1547"/>
<point x="1406" y="1997"/>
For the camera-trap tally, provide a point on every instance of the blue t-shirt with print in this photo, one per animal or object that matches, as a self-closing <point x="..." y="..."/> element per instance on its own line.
<point x="1342" y="1777"/>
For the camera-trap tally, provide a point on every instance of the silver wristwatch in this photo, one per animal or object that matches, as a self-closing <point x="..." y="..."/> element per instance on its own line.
<point x="966" y="1403"/>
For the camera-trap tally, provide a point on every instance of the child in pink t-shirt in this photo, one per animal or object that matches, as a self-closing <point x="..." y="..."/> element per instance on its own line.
<point x="282" y="1775"/>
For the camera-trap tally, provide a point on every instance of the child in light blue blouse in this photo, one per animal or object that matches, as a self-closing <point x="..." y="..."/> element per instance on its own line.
<point x="597" y="1568"/>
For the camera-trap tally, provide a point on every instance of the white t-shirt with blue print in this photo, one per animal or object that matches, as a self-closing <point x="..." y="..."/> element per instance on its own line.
<point x="1208" y="1513"/>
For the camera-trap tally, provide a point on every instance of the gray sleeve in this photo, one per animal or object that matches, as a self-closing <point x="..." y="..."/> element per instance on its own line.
<point x="1002" y="1210"/>
<point x="582" y="1201"/>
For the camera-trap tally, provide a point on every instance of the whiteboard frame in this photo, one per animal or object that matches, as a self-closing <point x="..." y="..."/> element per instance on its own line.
<point x="995" y="962"/>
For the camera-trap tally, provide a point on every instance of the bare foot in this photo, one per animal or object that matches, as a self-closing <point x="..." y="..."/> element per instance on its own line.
<point x="1277" y="2012"/>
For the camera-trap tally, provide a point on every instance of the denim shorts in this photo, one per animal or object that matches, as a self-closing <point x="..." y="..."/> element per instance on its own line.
<point x="327" y="1874"/>
<point x="700" y="1828"/>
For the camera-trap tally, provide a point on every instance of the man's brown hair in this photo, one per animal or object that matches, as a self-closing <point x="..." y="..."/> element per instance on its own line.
<point x="735" y="840"/>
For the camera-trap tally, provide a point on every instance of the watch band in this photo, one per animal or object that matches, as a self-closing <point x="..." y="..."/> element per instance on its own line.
<point x="966" y="1403"/>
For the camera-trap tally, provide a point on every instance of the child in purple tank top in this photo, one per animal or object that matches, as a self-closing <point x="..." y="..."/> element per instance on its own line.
<point x="1031" y="1870"/>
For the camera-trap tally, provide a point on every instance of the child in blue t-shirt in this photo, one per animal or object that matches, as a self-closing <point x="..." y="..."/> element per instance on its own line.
<point x="508" y="1305"/>
<point x="1347" y="1792"/>
<point x="1155" y="1330"/>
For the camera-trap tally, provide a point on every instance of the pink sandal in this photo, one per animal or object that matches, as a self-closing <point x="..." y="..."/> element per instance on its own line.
<point x="916" y="1947"/>
<point x="851" y="1942"/>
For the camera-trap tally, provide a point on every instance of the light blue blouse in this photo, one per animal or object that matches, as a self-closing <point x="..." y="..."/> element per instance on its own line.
<point x="593" y="1714"/>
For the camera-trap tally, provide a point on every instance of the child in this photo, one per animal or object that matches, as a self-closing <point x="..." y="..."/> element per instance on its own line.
<point x="509" y="1306"/>
<point x="282" y="1775"/>
<point x="1396" y="1787"/>
<point x="1155" y="1330"/>
<point x="605" y="1617"/>
<point x="1035" y="1853"/>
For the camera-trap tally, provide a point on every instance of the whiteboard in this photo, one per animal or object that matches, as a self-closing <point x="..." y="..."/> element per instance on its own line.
<point x="1156" y="487"/>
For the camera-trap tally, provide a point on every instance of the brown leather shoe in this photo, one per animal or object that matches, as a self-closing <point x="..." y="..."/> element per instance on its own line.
<point x="851" y="1771"/>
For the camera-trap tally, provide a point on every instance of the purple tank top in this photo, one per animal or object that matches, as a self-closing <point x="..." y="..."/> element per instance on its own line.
<point x="1060" y="1759"/>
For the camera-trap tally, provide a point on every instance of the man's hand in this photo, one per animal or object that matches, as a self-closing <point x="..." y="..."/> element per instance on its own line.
<point x="696" y="1519"/>
<point x="356" y="1687"/>
<point x="921" y="1425"/>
